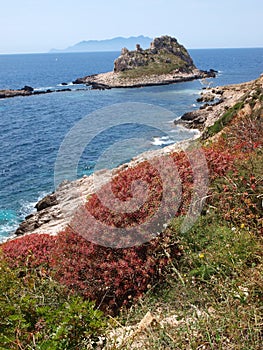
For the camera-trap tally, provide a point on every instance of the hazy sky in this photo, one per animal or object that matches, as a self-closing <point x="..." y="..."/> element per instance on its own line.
<point x="37" y="26"/>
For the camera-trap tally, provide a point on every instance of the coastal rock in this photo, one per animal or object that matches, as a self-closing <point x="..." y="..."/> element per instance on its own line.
<point x="13" y="93"/>
<point x="98" y="86"/>
<point x="63" y="90"/>
<point x="226" y="97"/>
<point x="207" y="97"/>
<point x="210" y="95"/>
<point x="46" y="202"/>
<point x="165" y="52"/>
<point x="193" y="120"/>
<point x="27" y="88"/>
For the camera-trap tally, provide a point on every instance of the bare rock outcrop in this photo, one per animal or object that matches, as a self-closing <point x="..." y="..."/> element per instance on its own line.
<point x="165" y="52"/>
<point x="221" y="99"/>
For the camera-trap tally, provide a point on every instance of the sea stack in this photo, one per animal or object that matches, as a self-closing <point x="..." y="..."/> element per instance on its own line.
<point x="165" y="55"/>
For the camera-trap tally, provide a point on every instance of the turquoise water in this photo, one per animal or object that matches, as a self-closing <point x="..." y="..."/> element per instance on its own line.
<point x="32" y="129"/>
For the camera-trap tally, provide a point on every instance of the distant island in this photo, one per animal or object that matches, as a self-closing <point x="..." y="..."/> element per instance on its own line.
<point x="114" y="44"/>
<point x="164" y="62"/>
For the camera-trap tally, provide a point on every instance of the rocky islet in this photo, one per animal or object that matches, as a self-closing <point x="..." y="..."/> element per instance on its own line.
<point x="165" y="62"/>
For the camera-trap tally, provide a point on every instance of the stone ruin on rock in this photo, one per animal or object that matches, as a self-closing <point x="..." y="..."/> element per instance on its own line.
<point x="164" y="52"/>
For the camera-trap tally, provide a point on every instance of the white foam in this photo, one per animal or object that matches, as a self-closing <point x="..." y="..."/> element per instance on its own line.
<point x="8" y="228"/>
<point x="160" y="141"/>
<point x="8" y="225"/>
<point x="68" y="84"/>
<point x="43" y="88"/>
<point x="26" y="208"/>
<point x="185" y="91"/>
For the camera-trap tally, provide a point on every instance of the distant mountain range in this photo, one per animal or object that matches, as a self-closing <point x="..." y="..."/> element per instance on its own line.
<point x="115" y="44"/>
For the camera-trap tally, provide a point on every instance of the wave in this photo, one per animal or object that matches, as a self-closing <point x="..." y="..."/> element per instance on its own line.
<point x="67" y="84"/>
<point x="10" y="219"/>
<point x="162" y="141"/>
<point x="44" y="88"/>
<point x="183" y="92"/>
<point x="26" y="208"/>
<point x="8" y="223"/>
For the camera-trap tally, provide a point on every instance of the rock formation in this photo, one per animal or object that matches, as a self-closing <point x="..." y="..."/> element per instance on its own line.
<point x="29" y="91"/>
<point x="222" y="100"/>
<point x="165" y="62"/>
<point x="164" y="52"/>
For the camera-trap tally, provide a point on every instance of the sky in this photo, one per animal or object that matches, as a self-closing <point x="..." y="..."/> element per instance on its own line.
<point x="37" y="26"/>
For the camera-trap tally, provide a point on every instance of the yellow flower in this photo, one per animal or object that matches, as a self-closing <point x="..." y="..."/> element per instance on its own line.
<point x="201" y="255"/>
<point x="242" y="225"/>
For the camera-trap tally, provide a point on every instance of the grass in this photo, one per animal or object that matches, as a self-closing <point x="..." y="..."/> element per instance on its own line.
<point x="38" y="313"/>
<point x="224" y="120"/>
<point x="217" y="303"/>
<point x="165" y="64"/>
<point x="209" y="296"/>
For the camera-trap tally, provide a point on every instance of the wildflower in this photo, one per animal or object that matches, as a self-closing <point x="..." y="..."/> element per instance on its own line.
<point x="242" y="225"/>
<point x="201" y="255"/>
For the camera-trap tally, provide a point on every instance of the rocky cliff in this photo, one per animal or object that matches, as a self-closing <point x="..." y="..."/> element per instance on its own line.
<point x="164" y="55"/>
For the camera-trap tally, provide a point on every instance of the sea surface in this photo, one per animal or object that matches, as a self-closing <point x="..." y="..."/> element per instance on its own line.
<point x="118" y="123"/>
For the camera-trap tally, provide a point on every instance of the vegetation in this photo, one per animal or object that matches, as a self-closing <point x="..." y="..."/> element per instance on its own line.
<point x="166" y="63"/>
<point x="38" y="313"/>
<point x="203" y="287"/>
<point x="211" y="297"/>
<point x="224" y="120"/>
<point x="163" y="57"/>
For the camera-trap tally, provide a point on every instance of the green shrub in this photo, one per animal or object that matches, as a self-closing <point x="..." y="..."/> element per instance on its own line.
<point x="224" y="120"/>
<point x="38" y="313"/>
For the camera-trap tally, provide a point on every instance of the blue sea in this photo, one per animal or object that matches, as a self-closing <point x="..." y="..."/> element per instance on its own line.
<point x="33" y="129"/>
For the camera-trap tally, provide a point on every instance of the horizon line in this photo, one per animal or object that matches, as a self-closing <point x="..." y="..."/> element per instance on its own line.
<point x="65" y="52"/>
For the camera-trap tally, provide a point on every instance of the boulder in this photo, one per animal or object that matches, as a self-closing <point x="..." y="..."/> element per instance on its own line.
<point x="206" y="97"/>
<point x="193" y="120"/>
<point x="48" y="201"/>
<point x="98" y="86"/>
<point x="63" y="90"/>
<point x="27" y="88"/>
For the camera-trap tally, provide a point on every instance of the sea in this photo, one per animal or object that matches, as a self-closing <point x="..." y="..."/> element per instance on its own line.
<point x="112" y="126"/>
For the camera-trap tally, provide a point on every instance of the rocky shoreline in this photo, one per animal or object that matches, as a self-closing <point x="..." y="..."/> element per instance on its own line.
<point x="55" y="211"/>
<point x="214" y="103"/>
<point x="29" y="91"/>
<point x="115" y="80"/>
<point x="110" y="80"/>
